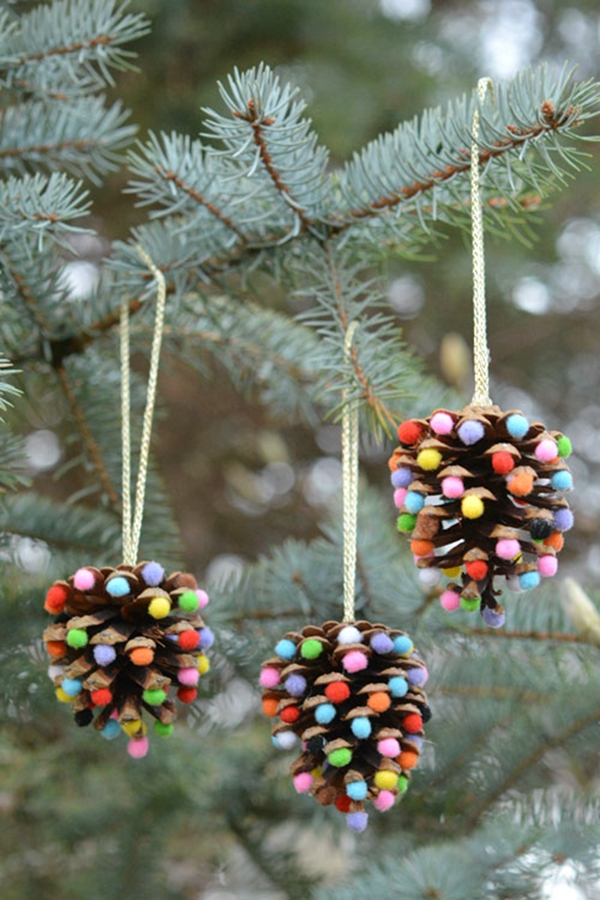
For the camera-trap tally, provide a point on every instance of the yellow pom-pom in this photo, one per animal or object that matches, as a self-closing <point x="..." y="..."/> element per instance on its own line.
<point x="454" y="572"/>
<point x="203" y="664"/>
<point x="316" y="772"/>
<point x="159" y="607"/>
<point x="63" y="696"/>
<point x="429" y="459"/>
<point x="134" y="727"/>
<point x="386" y="780"/>
<point x="472" y="507"/>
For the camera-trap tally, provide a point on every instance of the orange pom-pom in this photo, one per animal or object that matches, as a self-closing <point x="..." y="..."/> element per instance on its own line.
<point x="408" y="759"/>
<point x="521" y="484"/>
<point x="421" y="548"/>
<point x="56" y="598"/>
<point x="269" y="707"/>
<point x="56" y="649"/>
<point x="555" y="540"/>
<point x="379" y="701"/>
<point x="141" y="656"/>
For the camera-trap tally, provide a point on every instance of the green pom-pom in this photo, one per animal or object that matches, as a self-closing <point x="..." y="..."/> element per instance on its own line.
<point x="77" y="638"/>
<point x="188" y="601"/>
<point x="565" y="447"/>
<point x="402" y="784"/>
<point x="470" y="604"/>
<point x="154" y="698"/>
<point x="406" y="522"/>
<point x="163" y="729"/>
<point x="341" y="757"/>
<point x="311" y="649"/>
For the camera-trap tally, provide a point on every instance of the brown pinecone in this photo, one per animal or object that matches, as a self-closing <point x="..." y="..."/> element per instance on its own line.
<point x="122" y="636"/>
<point x="352" y="692"/>
<point x="480" y="493"/>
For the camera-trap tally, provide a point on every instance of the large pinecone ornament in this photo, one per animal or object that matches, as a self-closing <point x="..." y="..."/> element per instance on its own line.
<point x="121" y="639"/>
<point x="480" y="492"/>
<point x="353" y="694"/>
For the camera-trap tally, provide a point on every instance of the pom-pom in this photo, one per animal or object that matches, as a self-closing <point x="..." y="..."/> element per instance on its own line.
<point x="384" y="800"/>
<point x="311" y="649"/>
<point x="352" y="719"/>
<point x="547" y="566"/>
<point x="493" y="617"/>
<point x="120" y="649"/>
<point x="188" y="601"/>
<point x="357" y="821"/>
<point x="269" y="677"/>
<point x="285" y="648"/>
<point x="485" y="490"/>
<point x="409" y="432"/>
<point x="401" y="478"/>
<point x="163" y="729"/>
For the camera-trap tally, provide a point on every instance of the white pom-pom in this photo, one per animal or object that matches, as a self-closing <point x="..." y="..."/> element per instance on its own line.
<point x="514" y="584"/>
<point x="54" y="671"/>
<point x="285" y="739"/>
<point x="429" y="577"/>
<point x="349" y="635"/>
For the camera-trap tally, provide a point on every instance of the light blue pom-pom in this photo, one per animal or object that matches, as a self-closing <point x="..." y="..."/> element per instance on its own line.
<point x="517" y="426"/>
<point x="285" y="648"/>
<point x="562" y="481"/>
<point x="117" y="587"/>
<point x="111" y="730"/>
<point x="402" y="644"/>
<point x="325" y="713"/>
<point x="528" y="580"/>
<point x="414" y="502"/>
<point x="71" y="686"/>
<point x="357" y="790"/>
<point x="361" y="727"/>
<point x="398" y="686"/>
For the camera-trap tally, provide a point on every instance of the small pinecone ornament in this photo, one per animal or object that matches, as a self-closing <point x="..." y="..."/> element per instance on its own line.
<point x="353" y="694"/>
<point x="480" y="492"/>
<point x="121" y="638"/>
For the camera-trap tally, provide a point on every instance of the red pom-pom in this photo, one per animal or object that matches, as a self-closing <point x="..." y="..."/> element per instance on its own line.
<point x="187" y="694"/>
<point x="290" y="714"/>
<point x="477" y="569"/>
<point x="188" y="640"/>
<point x="412" y="723"/>
<point x="56" y="599"/>
<point x="409" y="432"/>
<point x="502" y="462"/>
<point x="343" y="803"/>
<point x="337" y="691"/>
<point x="101" y="697"/>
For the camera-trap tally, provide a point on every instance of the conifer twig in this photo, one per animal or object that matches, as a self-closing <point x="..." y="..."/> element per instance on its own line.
<point x="175" y="179"/>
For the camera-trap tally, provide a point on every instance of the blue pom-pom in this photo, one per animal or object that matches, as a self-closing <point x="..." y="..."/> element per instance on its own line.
<point x="71" y="686"/>
<point x="295" y="685"/>
<point x="414" y="502"/>
<point x="517" y="426"/>
<point x="492" y="618"/>
<point x="563" y="519"/>
<point x="207" y="638"/>
<point x="470" y="432"/>
<point x="153" y="573"/>
<point x="111" y="730"/>
<point x="382" y="643"/>
<point x="398" y="686"/>
<point x="325" y="713"/>
<point x="403" y="644"/>
<point x="562" y="481"/>
<point x="361" y="727"/>
<point x="285" y="648"/>
<point x="528" y="580"/>
<point x="357" y="790"/>
<point x="104" y="654"/>
<point x="402" y="478"/>
<point x="117" y="587"/>
<point x="357" y="821"/>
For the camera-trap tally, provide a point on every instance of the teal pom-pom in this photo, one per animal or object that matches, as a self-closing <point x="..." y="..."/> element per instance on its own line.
<point x="361" y="727"/>
<point x="562" y="480"/>
<point x="325" y="713"/>
<point x="71" y="686"/>
<point x="414" y="502"/>
<point x="398" y="686"/>
<point x="528" y="580"/>
<point x="517" y="426"/>
<point x="285" y="648"/>
<point x="111" y="730"/>
<point x="117" y="587"/>
<point x="357" y="790"/>
<point x="402" y="644"/>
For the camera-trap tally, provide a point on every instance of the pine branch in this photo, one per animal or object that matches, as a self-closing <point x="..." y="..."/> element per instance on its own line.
<point x="6" y="387"/>
<point x="40" y="205"/>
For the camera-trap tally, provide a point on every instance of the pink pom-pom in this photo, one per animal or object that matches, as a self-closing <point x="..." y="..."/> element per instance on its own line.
<point x="388" y="747"/>
<point x="442" y="423"/>
<point x="138" y="747"/>
<point x="399" y="495"/>
<point x="355" y="661"/>
<point x="546" y="450"/>
<point x="202" y="598"/>
<point x="450" y="601"/>
<point x="302" y="782"/>
<point x="453" y="487"/>
<point x="384" y="800"/>
<point x="269" y="677"/>
<point x="188" y="676"/>
<point x="83" y="579"/>
<point x="547" y="565"/>
<point x="508" y="548"/>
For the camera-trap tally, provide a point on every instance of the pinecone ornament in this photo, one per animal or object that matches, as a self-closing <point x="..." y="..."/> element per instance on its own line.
<point x="353" y="694"/>
<point x="121" y="639"/>
<point x="480" y="492"/>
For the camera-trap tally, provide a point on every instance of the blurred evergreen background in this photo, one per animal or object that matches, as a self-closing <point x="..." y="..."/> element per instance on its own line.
<point x="80" y="819"/>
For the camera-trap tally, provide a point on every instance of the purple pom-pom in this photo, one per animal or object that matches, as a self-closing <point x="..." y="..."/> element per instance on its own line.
<point x="207" y="638"/>
<point x="357" y="821"/>
<point x="416" y="740"/>
<point x="417" y="677"/>
<point x="470" y="432"/>
<point x="402" y="478"/>
<point x="382" y="643"/>
<point x="492" y="618"/>
<point x="295" y="685"/>
<point x="153" y="573"/>
<point x="104" y="654"/>
<point x="563" y="519"/>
